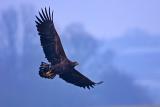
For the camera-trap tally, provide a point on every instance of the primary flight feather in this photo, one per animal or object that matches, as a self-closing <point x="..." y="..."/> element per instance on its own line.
<point x="54" y="52"/>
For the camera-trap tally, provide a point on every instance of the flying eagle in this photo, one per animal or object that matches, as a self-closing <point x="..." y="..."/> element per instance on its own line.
<point x="59" y="64"/>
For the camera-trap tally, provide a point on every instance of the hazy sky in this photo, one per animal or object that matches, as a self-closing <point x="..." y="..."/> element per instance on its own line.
<point x="102" y="18"/>
<point x="128" y="62"/>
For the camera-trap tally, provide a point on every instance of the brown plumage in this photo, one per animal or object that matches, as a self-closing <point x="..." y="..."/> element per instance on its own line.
<point x="53" y="50"/>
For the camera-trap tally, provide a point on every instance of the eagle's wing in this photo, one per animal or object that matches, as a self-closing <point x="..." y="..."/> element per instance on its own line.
<point x="49" y="38"/>
<point x="76" y="78"/>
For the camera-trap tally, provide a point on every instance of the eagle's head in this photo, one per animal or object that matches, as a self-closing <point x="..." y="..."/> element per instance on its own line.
<point x="75" y="63"/>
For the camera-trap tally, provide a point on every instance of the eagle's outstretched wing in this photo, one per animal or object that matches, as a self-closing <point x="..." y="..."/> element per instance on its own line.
<point x="49" y="38"/>
<point x="76" y="78"/>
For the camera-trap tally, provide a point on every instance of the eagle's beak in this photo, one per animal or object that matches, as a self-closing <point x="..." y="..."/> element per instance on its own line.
<point x="76" y="63"/>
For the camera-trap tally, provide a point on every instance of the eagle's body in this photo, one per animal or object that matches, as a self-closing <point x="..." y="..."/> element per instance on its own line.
<point x="64" y="66"/>
<point x="52" y="47"/>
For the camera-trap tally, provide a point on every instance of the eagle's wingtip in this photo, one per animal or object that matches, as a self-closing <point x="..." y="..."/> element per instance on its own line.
<point x="99" y="82"/>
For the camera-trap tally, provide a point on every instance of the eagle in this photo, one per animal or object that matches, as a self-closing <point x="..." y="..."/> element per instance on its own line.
<point x="58" y="64"/>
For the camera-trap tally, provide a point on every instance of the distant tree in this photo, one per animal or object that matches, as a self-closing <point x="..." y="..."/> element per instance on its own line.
<point x="120" y="89"/>
<point x="78" y="43"/>
<point x="9" y="24"/>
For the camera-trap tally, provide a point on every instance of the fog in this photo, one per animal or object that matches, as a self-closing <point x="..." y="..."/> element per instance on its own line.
<point x="128" y="65"/>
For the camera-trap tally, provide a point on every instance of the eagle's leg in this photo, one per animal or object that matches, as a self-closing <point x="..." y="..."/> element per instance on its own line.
<point x="46" y="71"/>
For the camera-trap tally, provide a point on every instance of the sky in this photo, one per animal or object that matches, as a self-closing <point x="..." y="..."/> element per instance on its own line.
<point x="129" y="61"/>
<point x="105" y="19"/>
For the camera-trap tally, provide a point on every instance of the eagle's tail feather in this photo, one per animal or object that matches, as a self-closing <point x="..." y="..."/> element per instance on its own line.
<point x="45" y="71"/>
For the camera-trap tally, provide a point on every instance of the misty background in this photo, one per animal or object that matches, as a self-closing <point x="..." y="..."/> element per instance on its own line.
<point x="114" y="41"/>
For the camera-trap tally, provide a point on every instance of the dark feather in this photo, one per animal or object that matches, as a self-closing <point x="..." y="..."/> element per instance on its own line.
<point x="39" y="20"/>
<point x="43" y="14"/>
<point x="76" y="78"/>
<point x="49" y="37"/>
<point x="49" y="14"/>
<point x="46" y="14"/>
<point x="41" y="17"/>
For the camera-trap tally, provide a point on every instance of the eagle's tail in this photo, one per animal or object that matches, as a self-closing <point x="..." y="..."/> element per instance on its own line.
<point x="45" y="71"/>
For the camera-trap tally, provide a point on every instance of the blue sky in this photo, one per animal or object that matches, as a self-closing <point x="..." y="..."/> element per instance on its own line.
<point x="130" y="61"/>
<point x="102" y="18"/>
